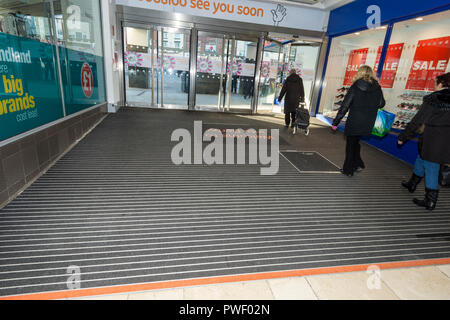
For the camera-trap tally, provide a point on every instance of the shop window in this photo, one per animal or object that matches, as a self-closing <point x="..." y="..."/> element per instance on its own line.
<point x="78" y="30"/>
<point x="29" y="87"/>
<point x="347" y="54"/>
<point x="30" y="19"/>
<point x="418" y="51"/>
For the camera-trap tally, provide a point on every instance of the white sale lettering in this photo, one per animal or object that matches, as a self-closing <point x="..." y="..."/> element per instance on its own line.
<point x="429" y="65"/>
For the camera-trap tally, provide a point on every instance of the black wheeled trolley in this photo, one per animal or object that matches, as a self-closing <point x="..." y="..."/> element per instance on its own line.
<point x="301" y="119"/>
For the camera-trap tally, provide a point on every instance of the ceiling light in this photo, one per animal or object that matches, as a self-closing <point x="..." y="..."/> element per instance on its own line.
<point x="419" y="19"/>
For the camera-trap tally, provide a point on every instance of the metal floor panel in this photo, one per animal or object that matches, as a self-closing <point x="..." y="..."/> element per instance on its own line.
<point x="116" y="207"/>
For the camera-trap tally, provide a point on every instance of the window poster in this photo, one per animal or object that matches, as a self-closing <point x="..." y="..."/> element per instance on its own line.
<point x="391" y="64"/>
<point x="356" y="59"/>
<point x="430" y="60"/>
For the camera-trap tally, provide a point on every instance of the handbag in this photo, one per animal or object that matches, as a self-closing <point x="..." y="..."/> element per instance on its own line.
<point x="383" y="123"/>
<point x="444" y="176"/>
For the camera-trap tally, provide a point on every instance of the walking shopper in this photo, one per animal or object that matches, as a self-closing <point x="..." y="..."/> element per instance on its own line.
<point x="293" y="89"/>
<point x="434" y="142"/>
<point x="362" y="101"/>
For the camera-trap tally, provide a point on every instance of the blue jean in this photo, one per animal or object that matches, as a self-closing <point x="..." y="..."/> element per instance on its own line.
<point x="428" y="169"/>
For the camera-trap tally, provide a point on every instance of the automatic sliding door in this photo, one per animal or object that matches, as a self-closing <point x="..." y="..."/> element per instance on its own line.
<point x="225" y="73"/>
<point x="173" y="67"/>
<point x="156" y="64"/>
<point x="303" y="58"/>
<point x="211" y="75"/>
<point x="241" y="66"/>
<point x="268" y="79"/>
<point x="157" y="69"/>
<point x="138" y="57"/>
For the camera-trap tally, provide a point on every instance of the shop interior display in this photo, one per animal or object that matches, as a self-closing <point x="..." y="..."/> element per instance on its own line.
<point x="339" y="98"/>
<point x="408" y="108"/>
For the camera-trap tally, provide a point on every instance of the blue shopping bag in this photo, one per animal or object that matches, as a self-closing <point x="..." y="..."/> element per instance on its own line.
<point x="383" y="124"/>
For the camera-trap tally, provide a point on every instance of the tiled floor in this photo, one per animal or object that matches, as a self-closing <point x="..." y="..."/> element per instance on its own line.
<point x="431" y="282"/>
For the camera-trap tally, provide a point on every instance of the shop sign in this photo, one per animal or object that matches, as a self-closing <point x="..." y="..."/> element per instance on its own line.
<point x="266" y="13"/>
<point x="87" y="80"/>
<point x="29" y="92"/>
<point x="391" y="63"/>
<point x="430" y="60"/>
<point x="356" y="59"/>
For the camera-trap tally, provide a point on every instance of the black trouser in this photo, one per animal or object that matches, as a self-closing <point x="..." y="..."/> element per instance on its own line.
<point x="248" y="91"/>
<point x="289" y="116"/>
<point x="233" y="86"/>
<point x="352" y="155"/>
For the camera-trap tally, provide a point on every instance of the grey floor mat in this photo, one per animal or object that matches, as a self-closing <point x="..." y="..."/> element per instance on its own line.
<point x="116" y="207"/>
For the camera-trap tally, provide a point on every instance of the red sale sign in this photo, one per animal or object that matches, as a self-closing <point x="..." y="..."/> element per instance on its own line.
<point x="390" y="64"/>
<point x="87" y="80"/>
<point x="430" y="60"/>
<point x="356" y="59"/>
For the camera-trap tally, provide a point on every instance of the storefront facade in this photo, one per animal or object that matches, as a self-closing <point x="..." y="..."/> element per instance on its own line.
<point x="65" y="63"/>
<point x="51" y="62"/>
<point x="52" y="84"/>
<point x="217" y="56"/>
<point x="409" y="48"/>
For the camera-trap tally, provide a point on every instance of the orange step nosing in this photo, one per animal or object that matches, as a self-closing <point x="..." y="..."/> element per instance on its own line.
<point x="219" y="279"/>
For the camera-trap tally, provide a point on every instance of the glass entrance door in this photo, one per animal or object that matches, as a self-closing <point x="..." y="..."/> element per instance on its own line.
<point x="211" y="75"/>
<point x="225" y="73"/>
<point x="157" y="69"/>
<point x="139" y="55"/>
<point x="156" y="64"/>
<point x="270" y="73"/>
<point x="173" y="50"/>
<point x="241" y="65"/>
<point x="279" y="57"/>
<point x="303" y="58"/>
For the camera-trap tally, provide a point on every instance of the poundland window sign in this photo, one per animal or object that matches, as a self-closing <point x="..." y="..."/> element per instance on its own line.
<point x="29" y="91"/>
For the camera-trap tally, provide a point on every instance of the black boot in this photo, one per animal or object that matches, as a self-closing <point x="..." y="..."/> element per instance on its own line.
<point x="411" y="185"/>
<point x="430" y="200"/>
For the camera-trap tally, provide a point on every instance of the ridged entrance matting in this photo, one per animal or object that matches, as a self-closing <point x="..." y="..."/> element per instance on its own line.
<point x="116" y="207"/>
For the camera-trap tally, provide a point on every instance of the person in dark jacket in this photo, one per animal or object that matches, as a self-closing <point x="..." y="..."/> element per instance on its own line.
<point x="293" y="89"/>
<point x="234" y="81"/>
<point x="434" y="143"/>
<point x="362" y="101"/>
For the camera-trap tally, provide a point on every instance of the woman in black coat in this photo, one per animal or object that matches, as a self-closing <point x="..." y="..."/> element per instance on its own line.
<point x="363" y="99"/>
<point x="293" y="88"/>
<point x="434" y="143"/>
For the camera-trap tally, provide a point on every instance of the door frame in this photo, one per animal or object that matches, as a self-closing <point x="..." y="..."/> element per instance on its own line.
<point x="225" y="38"/>
<point x="193" y="55"/>
<point x="235" y="35"/>
<point x="148" y="17"/>
<point x="159" y="51"/>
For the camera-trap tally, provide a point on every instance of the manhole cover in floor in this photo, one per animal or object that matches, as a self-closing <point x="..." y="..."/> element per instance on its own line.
<point x="309" y="161"/>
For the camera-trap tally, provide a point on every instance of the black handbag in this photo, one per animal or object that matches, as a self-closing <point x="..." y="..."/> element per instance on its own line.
<point x="444" y="176"/>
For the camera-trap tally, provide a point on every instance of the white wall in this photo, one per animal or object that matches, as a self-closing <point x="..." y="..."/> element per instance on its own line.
<point x="111" y="44"/>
